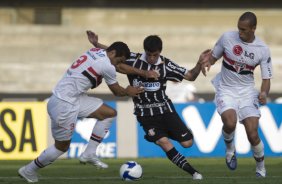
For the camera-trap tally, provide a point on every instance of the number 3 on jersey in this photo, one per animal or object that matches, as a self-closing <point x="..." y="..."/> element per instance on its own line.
<point x="78" y="62"/>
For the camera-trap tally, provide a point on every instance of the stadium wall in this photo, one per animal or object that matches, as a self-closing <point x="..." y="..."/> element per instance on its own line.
<point x="37" y="44"/>
<point x="144" y="3"/>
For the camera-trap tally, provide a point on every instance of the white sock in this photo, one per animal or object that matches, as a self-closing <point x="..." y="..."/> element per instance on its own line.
<point x="258" y="152"/>
<point x="228" y="140"/>
<point x="47" y="157"/>
<point x="98" y="133"/>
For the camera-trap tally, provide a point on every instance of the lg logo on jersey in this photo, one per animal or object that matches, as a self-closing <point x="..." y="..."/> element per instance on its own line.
<point x="249" y="55"/>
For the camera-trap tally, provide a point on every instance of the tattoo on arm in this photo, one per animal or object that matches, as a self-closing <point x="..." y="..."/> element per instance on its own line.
<point x="193" y="73"/>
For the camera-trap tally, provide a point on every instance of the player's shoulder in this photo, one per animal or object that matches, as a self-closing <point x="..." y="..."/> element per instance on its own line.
<point x="135" y="55"/>
<point x="107" y="68"/>
<point x="230" y="34"/>
<point x="97" y="53"/>
<point x="165" y="60"/>
<point x="260" y="43"/>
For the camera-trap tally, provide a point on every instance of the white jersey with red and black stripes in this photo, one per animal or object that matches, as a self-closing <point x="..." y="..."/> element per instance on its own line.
<point x="85" y="73"/>
<point x="240" y="59"/>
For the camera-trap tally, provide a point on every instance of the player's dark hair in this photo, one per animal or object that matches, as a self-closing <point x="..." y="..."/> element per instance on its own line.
<point x="153" y="43"/>
<point x="121" y="49"/>
<point x="251" y="17"/>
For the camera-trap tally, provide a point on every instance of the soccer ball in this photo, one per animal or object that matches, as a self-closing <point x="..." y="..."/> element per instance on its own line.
<point x="130" y="171"/>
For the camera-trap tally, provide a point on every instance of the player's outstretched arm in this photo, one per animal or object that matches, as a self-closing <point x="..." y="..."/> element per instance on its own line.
<point x="206" y="62"/>
<point x="121" y="68"/>
<point x="129" y="70"/>
<point x="93" y="39"/>
<point x="192" y="74"/>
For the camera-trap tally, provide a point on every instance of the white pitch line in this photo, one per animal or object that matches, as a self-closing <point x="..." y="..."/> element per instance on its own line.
<point x="111" y="178"/>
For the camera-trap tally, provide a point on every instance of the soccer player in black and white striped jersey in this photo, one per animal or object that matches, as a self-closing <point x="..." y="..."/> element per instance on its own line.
<point x="153" y="109"/>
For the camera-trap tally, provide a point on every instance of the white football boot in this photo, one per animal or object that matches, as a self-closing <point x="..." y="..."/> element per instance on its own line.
<point x="231" y="160"/>
<point x="197" y="176"/>
<point x="260" y="172"/>
<point x="94" y="160"/>
<point x="29" y="176"/>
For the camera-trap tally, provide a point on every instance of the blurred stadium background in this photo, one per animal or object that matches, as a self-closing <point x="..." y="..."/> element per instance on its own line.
<point x="40" y="39"/>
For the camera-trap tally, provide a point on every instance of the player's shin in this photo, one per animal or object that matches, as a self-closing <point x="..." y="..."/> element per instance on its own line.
<point x="47" y="157"/>
<point x="99" y="131"/>
<point x="228" y="140"/>
<point x="179" y="160"/>
<point x="258" y="152"/>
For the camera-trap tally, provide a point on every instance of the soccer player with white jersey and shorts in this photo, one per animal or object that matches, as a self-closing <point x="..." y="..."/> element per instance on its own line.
<point x="235" y="95"/>
<point x="69" y="102"/>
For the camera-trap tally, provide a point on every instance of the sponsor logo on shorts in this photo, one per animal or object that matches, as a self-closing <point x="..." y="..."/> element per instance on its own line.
<point x="151" y="132"/>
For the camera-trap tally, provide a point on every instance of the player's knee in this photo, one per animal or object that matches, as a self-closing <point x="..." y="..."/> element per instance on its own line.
<point x="113" y="113"/>
<point x="64" y="148"/>
<point x="163" y="142"/>
<point x="110" y="113"/>
<point x="254" y="138"/>
<point x="187" y="144"/>
<point x="229" y="120"/>
<point x="62" y="145"/>
<point x="229" y="127"/>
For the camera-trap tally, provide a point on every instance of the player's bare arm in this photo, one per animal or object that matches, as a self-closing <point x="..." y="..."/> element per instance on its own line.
<point x="192" y="74"/>
<point x="117" y="90"/>
<point x="126" y="69"/>
<point x="207" y="62"/>
<point x="93" y="39"/>
<point x="265" y="87"/>
<point x="121" y="68"/>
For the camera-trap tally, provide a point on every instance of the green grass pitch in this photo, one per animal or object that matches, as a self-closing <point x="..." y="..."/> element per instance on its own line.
<point x="155" y="171"/>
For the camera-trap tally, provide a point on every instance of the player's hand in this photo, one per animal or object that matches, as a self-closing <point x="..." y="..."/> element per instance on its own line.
<point x="134" y="91"/>
<point x="262" y="98"/>
<point x="204" y="60"/>
<point x="92" y="37"/>
<point x="152" y="74"/>
<point x="205" y="68"/>
<point x="204" y="55"/>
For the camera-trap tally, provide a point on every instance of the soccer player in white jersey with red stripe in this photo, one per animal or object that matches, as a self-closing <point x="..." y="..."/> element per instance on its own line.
<point x="70" y="101"/>
<point x="236" y="96"/>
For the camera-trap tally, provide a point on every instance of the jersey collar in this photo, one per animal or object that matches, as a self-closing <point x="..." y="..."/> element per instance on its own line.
<point x="143" y="58"/>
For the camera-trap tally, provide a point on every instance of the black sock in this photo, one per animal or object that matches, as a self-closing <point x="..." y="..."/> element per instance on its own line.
<point x="179" y="160"/>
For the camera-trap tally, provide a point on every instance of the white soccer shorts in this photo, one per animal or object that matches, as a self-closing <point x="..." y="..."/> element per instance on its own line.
<point x="244" y="102"/>
<point x="64" y="115"/>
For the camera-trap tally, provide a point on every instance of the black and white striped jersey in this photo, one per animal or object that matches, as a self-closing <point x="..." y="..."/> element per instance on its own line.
<point x="154" y="100"/>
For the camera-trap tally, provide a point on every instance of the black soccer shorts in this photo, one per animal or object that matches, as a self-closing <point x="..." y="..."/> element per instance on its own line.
<point x="165" y="125"/>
